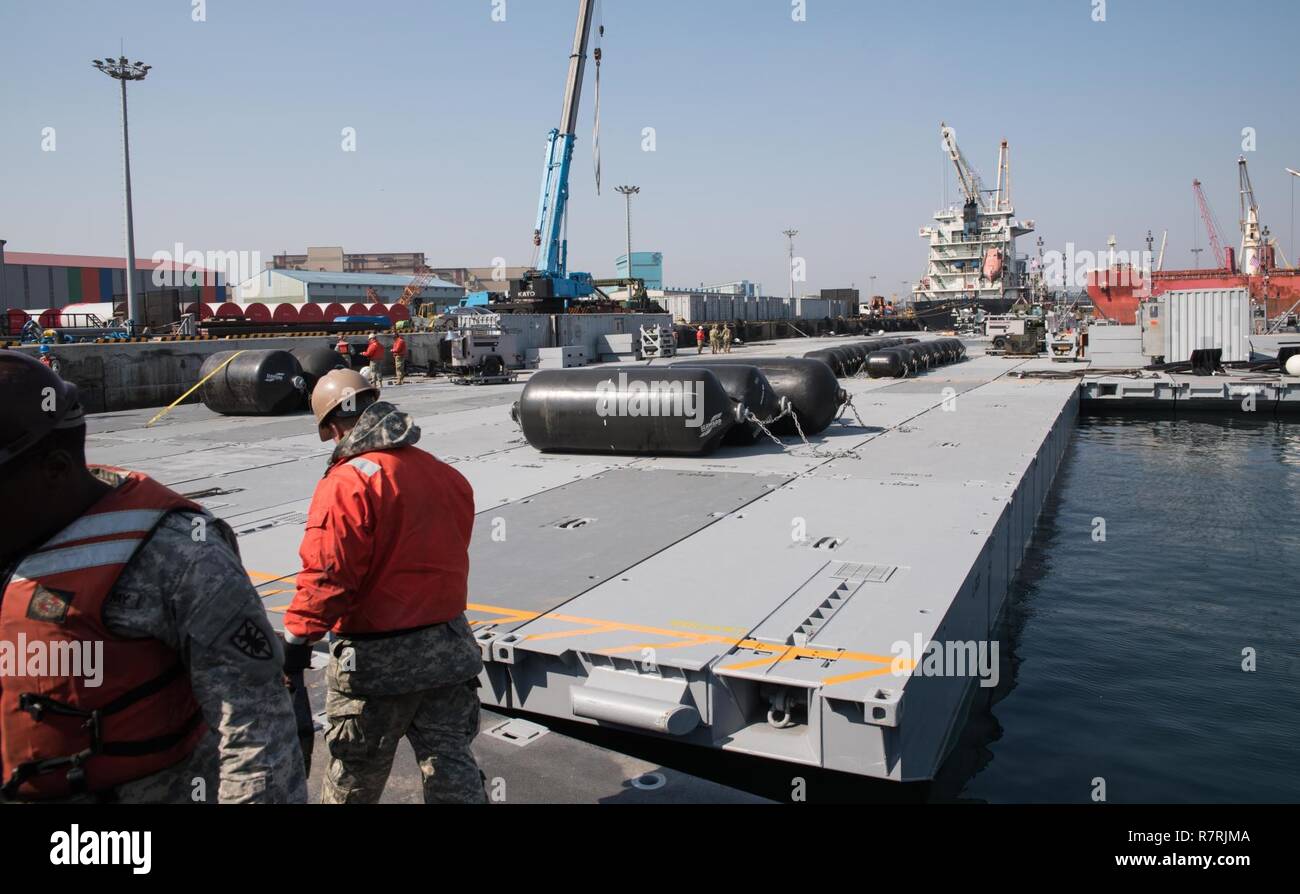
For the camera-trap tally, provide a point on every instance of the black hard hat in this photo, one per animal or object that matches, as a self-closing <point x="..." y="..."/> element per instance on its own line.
<point x="37" y="402"/>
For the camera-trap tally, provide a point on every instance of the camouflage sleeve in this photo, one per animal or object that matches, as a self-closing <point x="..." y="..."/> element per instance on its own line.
<point x="192" y="592"/>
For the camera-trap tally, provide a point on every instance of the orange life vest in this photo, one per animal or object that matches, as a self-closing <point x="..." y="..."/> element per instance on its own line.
<point x="60" y="736"/>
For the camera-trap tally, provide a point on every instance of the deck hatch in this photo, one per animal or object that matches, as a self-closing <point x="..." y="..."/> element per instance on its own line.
<point x="862" y="571"/>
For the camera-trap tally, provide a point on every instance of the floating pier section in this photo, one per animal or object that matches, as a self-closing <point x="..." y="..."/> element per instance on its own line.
<point x="750" y="601"/>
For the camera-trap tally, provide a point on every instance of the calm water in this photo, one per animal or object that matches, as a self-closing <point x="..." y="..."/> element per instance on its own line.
<point x="1126" y="656"/>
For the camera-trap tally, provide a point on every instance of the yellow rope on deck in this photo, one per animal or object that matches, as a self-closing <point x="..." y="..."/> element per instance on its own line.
<point x="192" y="390"/>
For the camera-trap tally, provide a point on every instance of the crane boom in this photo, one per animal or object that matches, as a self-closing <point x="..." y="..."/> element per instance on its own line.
<point x="1251" y="241"/>
<point x="971" y="185"/>
<point x="419" y="282"/>
<point x="548" y="234"/>
<point x="1216" y="242"/>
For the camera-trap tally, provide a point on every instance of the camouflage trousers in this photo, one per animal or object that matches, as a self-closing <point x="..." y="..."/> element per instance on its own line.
<point x="399" y="364"/>
<point x="440" y="725"/>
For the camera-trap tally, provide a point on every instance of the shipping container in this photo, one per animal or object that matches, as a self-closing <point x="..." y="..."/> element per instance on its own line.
<point x="1205" y="318"/>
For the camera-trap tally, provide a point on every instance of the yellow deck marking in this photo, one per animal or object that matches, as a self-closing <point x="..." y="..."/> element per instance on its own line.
<point x="679" y="639"/>
<point x="845" y="678"/>
<point x="771" y="658"/>
<point x="594" y="625"/>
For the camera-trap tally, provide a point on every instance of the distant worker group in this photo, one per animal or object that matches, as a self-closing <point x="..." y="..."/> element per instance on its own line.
<point x="720" y="338"/>
<point x="374" y="354"/>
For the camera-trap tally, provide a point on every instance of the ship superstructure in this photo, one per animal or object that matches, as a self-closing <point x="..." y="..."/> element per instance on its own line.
<point x="973" y="262"/>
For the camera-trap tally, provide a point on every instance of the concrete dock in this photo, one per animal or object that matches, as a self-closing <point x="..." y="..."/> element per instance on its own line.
<point x="754" y="577"/>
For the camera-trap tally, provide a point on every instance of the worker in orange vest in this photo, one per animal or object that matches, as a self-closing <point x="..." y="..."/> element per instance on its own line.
<point x="385" y="571"/>
<point x="699" y="339"/>
<point x="399" y="358"/>
<point x="170" y="689"/>
<point x="374" y="352"/>
<point x="344" y="350"/>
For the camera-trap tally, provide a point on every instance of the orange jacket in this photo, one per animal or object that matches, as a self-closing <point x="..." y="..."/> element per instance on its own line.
<point x="373" y="351"/>
<point x="399" y="347"/>
<point x="148" y="718"/>
<point x="386" y="547"/>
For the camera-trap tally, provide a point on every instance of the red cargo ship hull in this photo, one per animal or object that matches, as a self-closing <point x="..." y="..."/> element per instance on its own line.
<point x="1117" y="292"/>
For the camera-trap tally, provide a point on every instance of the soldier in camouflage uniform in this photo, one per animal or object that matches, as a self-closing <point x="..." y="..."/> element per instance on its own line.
<point x="385" y="569"/>
<point x="182" y="591"/>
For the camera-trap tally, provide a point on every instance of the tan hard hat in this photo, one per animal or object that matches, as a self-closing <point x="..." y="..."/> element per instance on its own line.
<point x="37" y="401"/>
<point x="332" y="390"/>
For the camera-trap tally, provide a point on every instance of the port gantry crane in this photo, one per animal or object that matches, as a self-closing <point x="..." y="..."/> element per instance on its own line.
<point x="551" y="282"/>
<point x="1251" y="239"/>
<point x="1211" y="227"/>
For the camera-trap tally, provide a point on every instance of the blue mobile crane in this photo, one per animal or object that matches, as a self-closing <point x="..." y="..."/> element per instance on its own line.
<point x="552" y="283"/>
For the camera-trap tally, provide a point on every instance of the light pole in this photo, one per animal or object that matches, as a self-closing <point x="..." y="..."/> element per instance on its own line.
<point x="123" y="71"/>
<point x="790" y="234"/>
<point x="628" y="192"/>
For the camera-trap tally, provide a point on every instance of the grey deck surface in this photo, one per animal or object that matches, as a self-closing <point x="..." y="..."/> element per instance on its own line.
<point x="684" y="582"/>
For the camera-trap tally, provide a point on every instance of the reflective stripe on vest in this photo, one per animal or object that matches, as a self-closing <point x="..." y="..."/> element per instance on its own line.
<point x="128" y="521"/>
<point x="59" y="735"/>
<point x="76" y="558"/>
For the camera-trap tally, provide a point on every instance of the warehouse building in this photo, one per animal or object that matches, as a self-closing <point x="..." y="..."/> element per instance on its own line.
<point x="317" y="287"/>
<point x="36" y="280"/>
